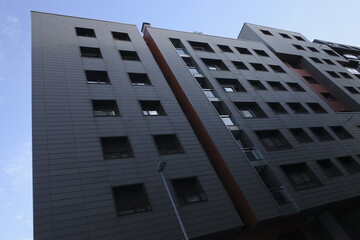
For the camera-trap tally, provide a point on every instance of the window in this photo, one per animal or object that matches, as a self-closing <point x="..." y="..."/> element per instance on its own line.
<point x="131" y="199"/>
<point x="328" y="61"/>
<point x="257" y="85"/>
<point x="129" y="55"/>
<point x="85" y="32"/>
<point x="250" y="110"/>
<point x="295" y="65"/>
<point x="352" y="90"/>
<point x="341" y="132"/>
<point x="298" y="47"/>
<point x="215" y="64"/>
<point x="277" y="108"/>
<point x="105" y="108"/>
<point x="168" y="144"/>
<point x="321" y="134"/>
<point x="333" y="74"/>
<point x="273" y="140"/>
<point x="350" y="165"/>
<point x="277" y="86"/>
<point x="188" y="190"/>
<point x="90" y="52"/>
<point x="328" y="96"/>
<point x="300" y="176"/>
<point x="299" y="38"/>
<point x="312" y="49"/>
<point x="261" y="53"/>
<point x="116" y="147"/>
<point x="285" y="35"/>
<point x="243" y="51"/>
<point x="331" y="53"/>
<point x="240" y="65"/>
<point x="316" y="60"/>
<point x="297" y="108"/>
<point x="231" y="85"/>
<point x="317" y="108"/>
<point x="300" y="135"/>
<point x="259" y="67"/>
<point x="121" y="36"/>
<point x="266" y="32"/>
<point x="152" y="108"/>
<point x="199" y="46"/>
<point x="310" y="80"/>
<point x="225" y="48"/>
<point x="353" y="71"/>
<point x="295" y="87"/>
<point x="97" y="77"/>
<point x="329" y="168"/>
<point x="139" y="79"/>
<point x="277" y="69"/>
<point x="345" y="75"/>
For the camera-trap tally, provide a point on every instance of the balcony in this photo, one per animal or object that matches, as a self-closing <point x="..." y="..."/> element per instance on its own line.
<point x="194" y="72"/>
<point x="229" y="122"/>
<point x="280" y="195"/>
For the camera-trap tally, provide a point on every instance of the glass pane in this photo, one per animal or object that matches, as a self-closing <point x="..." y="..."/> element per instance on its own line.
<point x="209" y="93"/>
<point x="227" y="121"/>
<point x="229" y="89"/>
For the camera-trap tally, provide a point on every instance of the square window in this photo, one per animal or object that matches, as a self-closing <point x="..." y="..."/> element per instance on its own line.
<point x="168" y="144"/>
<point x="350" y="165"/>
<point x="152" y="108"/>
<point x="352" y="90"/>
<point x="310" y="80"/>
<point x="129" y="55"/>
<point x="215" y="64"/>
<point x="345" y="75"/>
<point x="250" y="110"/>
<point x="300" y="176"/>
<point x="277" y="86"/>
<point x="90" y="52"/>
<point x="85" y="32"/>
<point x="199" y="46"/>
<point x="312" y="49"/>
<point x="243" y="51"/>
<point x="329" y="168"/>
<point x="225" y="48"/>
<point x="300" y="135"/>
<point x="285" y="35"/>
<point x="317" y="108"/>
<point x="277" y="69"/>
<point x="116" y="147"/>
<point x="240" y="65"/>
<point x="266" y="32"/>
<point x="139" y="79"/>
<point x="261" y="53"/>
<point x="188" y="190"/>
<point x="331" y="53"/>
<point x="121" y="36"/>
<point x="257" y="85"/>
<point x="273" y="140"/>
<point x="298" y="47"/>
<point x="328" y="61"/>
<point x="341" y="132"/>
<point x="105" y="108"/>
<point x="97" y="77"/>
<point x="230" y="85"/>
<point x="277" y="108"/>
<point x="316" y="60"/>
<point x="259" y="67"/>
<point x="333" y="74"/>
<point x="328" y="96"/>
<point x="299" y="38"/>
<point x="131" y="199"/>
<point x="321" y="134"/>
<point x="297" y="108"/>
<point x="295" y="87"/>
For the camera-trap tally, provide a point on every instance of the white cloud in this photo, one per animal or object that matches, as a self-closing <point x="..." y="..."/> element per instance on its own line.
<point x="13" y="169"/>
<point x="10" y="32"/>
<point x="12" y="19"/>
<point x="19" y="217"/>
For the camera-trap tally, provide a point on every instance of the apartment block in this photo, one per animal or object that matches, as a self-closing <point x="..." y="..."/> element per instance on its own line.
<point x="260" y="134"/>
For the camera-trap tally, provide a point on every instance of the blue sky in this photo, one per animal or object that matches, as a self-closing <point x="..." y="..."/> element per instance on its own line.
<point x="331" y="20"/>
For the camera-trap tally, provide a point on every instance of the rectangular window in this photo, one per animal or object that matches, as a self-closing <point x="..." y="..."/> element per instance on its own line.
<point x="277" y="86"/>
<point x="328" y="96"/>
<point x="199" y="46"/>
<point x="116" y="147"/>
<point x="312" y="49"/>
<point x="85" y="32"/>
<point x="321" y="134"/>
<point x="105" y="108"/>
<point x="250" y="110"/>
<point x="240" y="65"/>
<point x="257" y="85"/>
<point x="333" y="74"/>
<point x="328" y="61"/>
<point x="259" y="67"/>
<point x="350" y="165"/>
<point x="316" y="60"/>
<point x="285" y="35"/>
<point x="97" y="77"/>
<point x="329" y="168"/>
<point x="300" y="176"/>
<point x="277" y="69"/>
<point x="243" y="51"/>
<point x="131" y="199"/>
<point x="277" y="108"/>
<point x="341" y="132"/>
<point x="215" y="64"/>
<point x="297" y="108"/>
<point x="273" y="140"/>
<point x="298" y="47"/>
<point x="266" y="32"/>
<point x="310" y="80"/>
<point x="230" y="85"/>
<point x="188" y="190"/>
<point x="168" y="144"/>
<point x="331" y="53"/>
<point x="295" y="87"/>
<point x="225" y="48"/>
<point x="299" y="38"/>
<point x="129" y="55"/>
<point x="121" y="36"/>
<point x="352" y="90"/>
<point x="152" y="108"/>
<point x="261" y="53"/>
<point x="90" y="52"/>
<point x="345" y="75"/>
<point x="300" y="135"/>
<point x="317" y="108"/>
<point x="139" y="79"/>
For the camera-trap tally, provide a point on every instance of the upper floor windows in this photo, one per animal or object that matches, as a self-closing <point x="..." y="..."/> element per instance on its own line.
<point x="277" y="108"/>
<point x="261" y="53"/>
<point x="277" y="69"/>
<point x="250" y="110"/>
<point x="331" y="53"/>
<point x="266" y="32"/>
<point x="199" y="46"/>
<point x="225" y="48"/>
<point x="329" y="168"/>
<point x="298" y="47"/>
<point x="240" y="65"/>
<point x="300" y="135"/>
<point x="85" y="32"/>
<point x="297" y="108"/>
<point x="295" y="87"/>
<point x="105" y="108"/>
<point x="243" y="51"/>
<point x="259" y="67"/>
<point x="97" y="77"/>
<point x="215" y="64"/>
<point x="310" y="80"/>
<point x="188" y="190"/>
<point x="350" y="165"/>
<point x="321" y="134"/>
<point x="328" y="96"/>
<point x="121" y="36"/>
<point x="341" y="132"/>
<point x="299" y="38"/>
<point x="301" y="176"/>
<point x="116" y="147"/>
<point x="312" y="49"/>
<point x="277" y="86"/>
<point x="317" y="108"/>
<point x="231" y="85"/>
<point x="129" y="55"/>
<point x="333" y="74"/>
<point x="90" y="52"/>
<point x="152" y="108"/>
<point x="273" y="140"/>
<point x="257" y="85"/>
<point x="285" y="35"/>
<point x="168" y="144"/>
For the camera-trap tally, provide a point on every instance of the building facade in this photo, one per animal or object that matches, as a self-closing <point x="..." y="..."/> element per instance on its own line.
<point x="260" y="134"/>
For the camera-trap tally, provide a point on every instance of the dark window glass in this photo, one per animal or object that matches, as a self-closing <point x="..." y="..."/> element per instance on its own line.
<point x="90" y="52"/>
<point x="105" y="108"/>
<point x="310" y="80"/>
<point x="341" y="132"/>
<point x="139" y="79"/>
<point x="301" y="176"/>
<point x="299" y="38"/>
<point x="215" y="64"/>
<point x="277" y="86"/>
<point x="152" y="108"/>
<point x="199" y="46"/>
<point x="313" y="49"/>
<point x="129" y="55"/>
<point x="97" y="77"/>
<point x="333" y="74"/>
<point x="257" y="85"/>
<point x="261" y="53"/>
<point x="273" y="140"/>
<point x="116" y="147"/>
<point x="168" y="144"/>
<point x="188" y="190"/>
<point x="277" y="108"/>
<point x="328" y="96"/>
<point x="240" y="65"/>
<point x="85" y="32"/>
<point x="301" y="135"/>
<point x="259" y="67"/>
<point x="266" y="32"/>
<point x="285" y="35"/>
<point x="297" y="108"/>
<point x="316" y="60"/>
<point x="225" y="48"/>
<point x="329" y="168"/>
<point x="231" y="85"/>
<point x="298" y="47"/>
<point x="295" y="87"/>
<point x="321" y="134"/>
<point x="121" y="36"/>
<point x="243" y="51"/>
<point x="350" y="165"/>
<point x="250" y="110"/>
<point x="277" y="69"/>
<point x="317" y="108"/>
